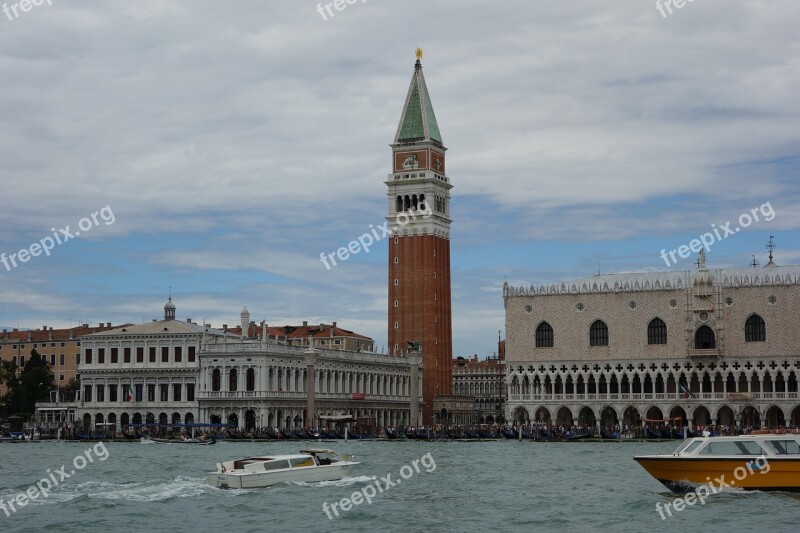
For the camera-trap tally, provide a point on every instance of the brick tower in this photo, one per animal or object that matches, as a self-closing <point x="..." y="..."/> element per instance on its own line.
<point x="419" y="249"/>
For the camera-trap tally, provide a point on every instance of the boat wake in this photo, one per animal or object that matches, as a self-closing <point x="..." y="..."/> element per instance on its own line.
<point x="180" y="487"/>
<point x="344" y="482"/>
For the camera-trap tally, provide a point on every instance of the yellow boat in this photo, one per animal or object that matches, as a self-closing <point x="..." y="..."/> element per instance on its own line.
<point x="752" y="462"/>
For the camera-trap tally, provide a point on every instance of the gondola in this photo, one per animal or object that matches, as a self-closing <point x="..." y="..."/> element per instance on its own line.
<point x="510" y="433"/>
<point x="578" y="436"/>
<point x="650" y="434"/>
<point x="610" y="435"/>
<point x="391" y="434"/>
<point x="488" y="434"/>
<point x="198" y="442"/>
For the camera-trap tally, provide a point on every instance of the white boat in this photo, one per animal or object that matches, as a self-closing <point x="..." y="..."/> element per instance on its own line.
<point x="266" y="470"/>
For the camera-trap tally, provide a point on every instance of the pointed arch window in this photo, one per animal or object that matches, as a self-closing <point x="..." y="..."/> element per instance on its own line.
<point x="755" y="329"/>
<point x="656" y="332"/>
<point x="705" y="339"/>
<point x="598" y="334"/>
<point x="544" y="335"/>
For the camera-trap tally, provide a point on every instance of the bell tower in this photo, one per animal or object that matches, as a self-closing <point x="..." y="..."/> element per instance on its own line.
<point x="419" y="247"/>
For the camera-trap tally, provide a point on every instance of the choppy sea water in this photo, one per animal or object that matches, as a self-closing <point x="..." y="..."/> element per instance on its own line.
<point x="503" y="485"/>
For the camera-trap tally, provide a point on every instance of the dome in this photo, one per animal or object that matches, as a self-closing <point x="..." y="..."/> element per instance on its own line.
<point x="169" y="310"/>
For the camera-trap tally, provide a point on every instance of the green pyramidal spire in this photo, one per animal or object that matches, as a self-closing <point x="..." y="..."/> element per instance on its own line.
<point x="418" y="122"/>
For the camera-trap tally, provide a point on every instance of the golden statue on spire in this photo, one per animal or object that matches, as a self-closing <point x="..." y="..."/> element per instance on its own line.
<point x="419" y="53"/>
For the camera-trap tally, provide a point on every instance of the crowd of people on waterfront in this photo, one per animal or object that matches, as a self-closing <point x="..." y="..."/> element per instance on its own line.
<point x="531" y="431"/>
<point x="546" y="431"/>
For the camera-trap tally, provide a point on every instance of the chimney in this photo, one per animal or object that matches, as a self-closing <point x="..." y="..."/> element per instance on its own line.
<point x="333" y="327"/>
<point x="50" y="334"/>
<point x="188" y="320"/>
<point x="321" y="328"/>
<point x="85" y="325"/>
<point x="108" y="324"/>
<point x="101" y="324"/>
<point x="224" y="327"/>
<point x="44" y="328"/>
<point x="305" y="323"/>
<point x="71" y="333"/>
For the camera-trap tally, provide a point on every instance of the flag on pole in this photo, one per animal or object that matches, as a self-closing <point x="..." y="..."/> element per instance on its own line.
<point x="128" y="394"/>
<point x="686" y="392"/>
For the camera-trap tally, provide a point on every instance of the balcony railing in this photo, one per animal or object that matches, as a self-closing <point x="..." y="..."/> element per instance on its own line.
<point x="712" y="352"/>
<point x="722" y="396"/>
<point x="215" y="395"/>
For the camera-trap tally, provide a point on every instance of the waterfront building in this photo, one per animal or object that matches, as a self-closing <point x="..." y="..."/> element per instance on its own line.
<point x="142" y="374"/>
<point x="708" y="346"/>
<point x="60" y="348"/>
<point x="484" y="382"/>
<point x="419" y="248"/>
<point x="262" y="382"/>
<point x="179" y="372"/>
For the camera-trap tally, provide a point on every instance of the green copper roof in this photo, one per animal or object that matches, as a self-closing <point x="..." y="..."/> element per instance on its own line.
<point x="418" y="122"/>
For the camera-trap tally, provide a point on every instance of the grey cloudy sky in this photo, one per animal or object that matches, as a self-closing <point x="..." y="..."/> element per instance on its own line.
<point x="237" y="141"/>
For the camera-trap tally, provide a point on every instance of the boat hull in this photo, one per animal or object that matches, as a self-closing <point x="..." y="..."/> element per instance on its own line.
<point x="254" y="480"/>
<point x="681" y="474"/>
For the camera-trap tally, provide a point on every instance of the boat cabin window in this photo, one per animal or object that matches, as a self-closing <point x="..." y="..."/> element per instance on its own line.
<point x="732" y="447"/>
<point x="302" y="461"/>
<point x="276" y="465"/>
<point x="784" y="447"/>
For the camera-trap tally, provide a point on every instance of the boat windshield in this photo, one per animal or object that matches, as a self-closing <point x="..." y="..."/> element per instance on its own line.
<point x="689" y="446"/>
<point x="732" y="447"/>
<point x="299" y="462"/>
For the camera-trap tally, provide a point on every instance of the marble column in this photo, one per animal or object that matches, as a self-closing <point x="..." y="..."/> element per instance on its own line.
<point x="311" y="357"/>
<point x="415" y="363"/>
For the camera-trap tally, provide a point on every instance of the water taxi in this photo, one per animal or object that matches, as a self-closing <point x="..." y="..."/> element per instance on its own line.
<point x="266" y="470"/>
<point x="752" y="462"/>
